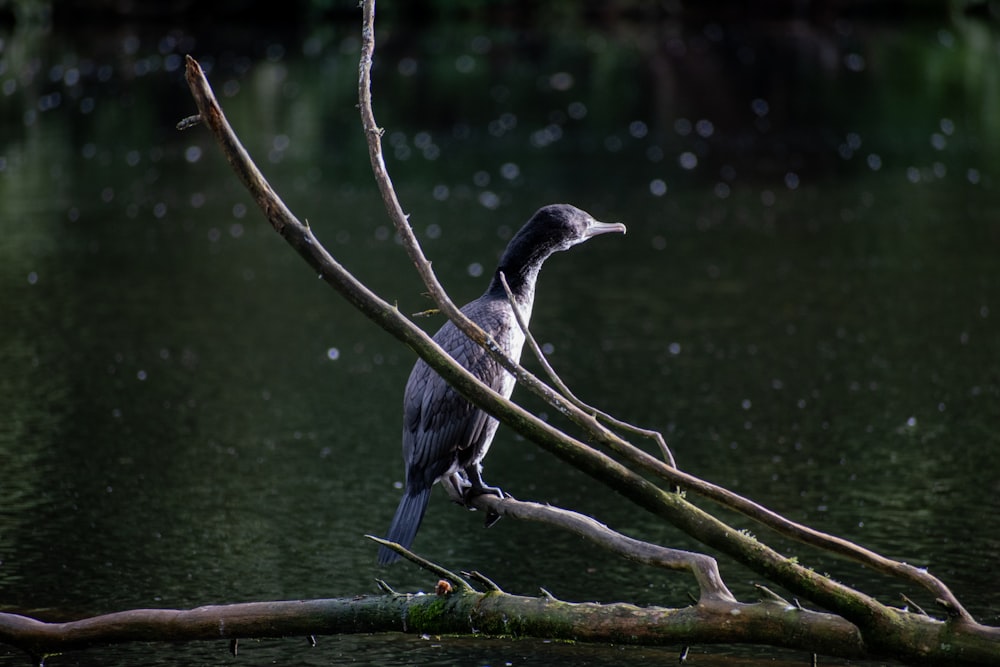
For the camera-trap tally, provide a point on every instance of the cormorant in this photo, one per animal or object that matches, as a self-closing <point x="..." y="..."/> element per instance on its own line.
<point x="444" y="436"/>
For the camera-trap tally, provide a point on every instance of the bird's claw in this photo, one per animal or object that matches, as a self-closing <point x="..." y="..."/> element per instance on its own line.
<point x="483" y="490"/>
<point x="491" y="518"/>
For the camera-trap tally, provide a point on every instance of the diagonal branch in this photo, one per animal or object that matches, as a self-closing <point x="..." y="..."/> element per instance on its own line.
<point x="301" y="237"/>
<point x="400" y="221"/>
<point x="856" y="607"/>
<point x="630" y="453"/>
<point x="564" y="389"/>
<point x="433" y="568"/>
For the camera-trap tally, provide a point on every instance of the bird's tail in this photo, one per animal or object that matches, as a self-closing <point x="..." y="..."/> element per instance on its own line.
<point x="405" y="524"/>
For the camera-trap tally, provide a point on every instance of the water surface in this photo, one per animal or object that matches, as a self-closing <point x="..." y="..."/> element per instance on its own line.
<point x="806" y="303"/>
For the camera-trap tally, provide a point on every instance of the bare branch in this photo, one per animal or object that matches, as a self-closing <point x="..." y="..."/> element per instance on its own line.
<point x="388" y="317"/>
<point x="433" y="568"/>
<point x="704" y="568"/>
<point x="536" y="349"/>
<point x="484" y="580"/>
<point x="853" y="605"/>
<point x="858" y="632"/>
<point x="493" y="613"/>
<point x="400" y="220"/>
<point x="630" y="453"/>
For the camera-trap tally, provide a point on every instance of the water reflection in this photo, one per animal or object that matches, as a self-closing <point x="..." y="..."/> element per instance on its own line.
<point x="805" y="303"/>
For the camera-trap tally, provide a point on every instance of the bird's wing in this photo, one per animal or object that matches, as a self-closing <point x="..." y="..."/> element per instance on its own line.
<point x="437" y="420"/>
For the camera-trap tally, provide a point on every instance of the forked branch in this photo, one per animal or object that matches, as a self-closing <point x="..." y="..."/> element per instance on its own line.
<point x="564" y="389"/>
<point x="302" y="239"/>
<point x="854" y="606"/>
<point x="864" y="627"/>
<point x="631" y="455"/>
<point x="704" y="568"/>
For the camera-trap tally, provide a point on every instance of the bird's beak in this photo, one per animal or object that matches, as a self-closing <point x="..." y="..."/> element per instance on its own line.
<point x="597" y="228"/>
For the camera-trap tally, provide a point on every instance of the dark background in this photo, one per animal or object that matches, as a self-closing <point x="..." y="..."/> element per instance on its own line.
<point x="806" y="302"/>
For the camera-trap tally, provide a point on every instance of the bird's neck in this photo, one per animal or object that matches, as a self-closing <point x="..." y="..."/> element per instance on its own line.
<point x="520" y="277"/>
<point x="519" y="265"/>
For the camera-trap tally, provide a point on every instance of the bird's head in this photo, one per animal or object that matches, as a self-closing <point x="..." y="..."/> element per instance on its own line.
<point x="551" y="229"/>
<point x="562" y="226"/>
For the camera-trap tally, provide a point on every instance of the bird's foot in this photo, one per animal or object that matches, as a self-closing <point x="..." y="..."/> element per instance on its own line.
<point x="479" y="490"/>
<point x="482" y="490"/>
<point x="457" y="487"/>
<point x="491" y="518"/>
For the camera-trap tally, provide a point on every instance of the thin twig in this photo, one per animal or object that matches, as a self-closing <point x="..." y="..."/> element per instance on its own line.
<point x="910" y="603"/>
<point x="545" y="594"/>
<point x="558" y="383"/>
<point x="431" y="567"/>
<point x="384" y="587"/>
<point x="484" y="580"/>
<point x="189" y="122"/>
<point x="768" y="595"/>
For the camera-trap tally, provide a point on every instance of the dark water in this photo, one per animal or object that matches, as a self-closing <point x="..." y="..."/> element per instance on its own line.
<point x="806" y="303"/>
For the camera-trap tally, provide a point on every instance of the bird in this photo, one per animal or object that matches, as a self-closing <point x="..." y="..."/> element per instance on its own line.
<point x="444" y="436"/>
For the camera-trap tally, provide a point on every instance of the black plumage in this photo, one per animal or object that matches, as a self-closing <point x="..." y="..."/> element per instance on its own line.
<point x="444" y="436"/>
